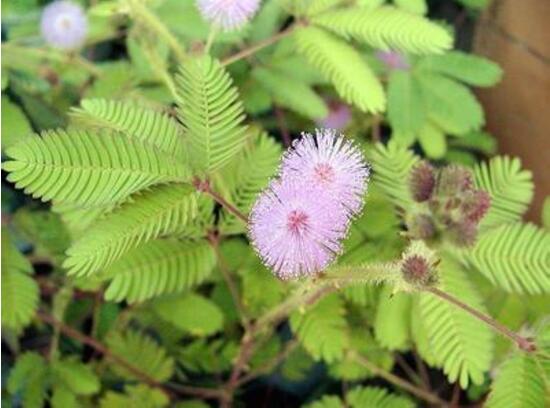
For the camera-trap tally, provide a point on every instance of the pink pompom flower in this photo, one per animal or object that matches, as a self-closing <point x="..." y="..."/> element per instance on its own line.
<point x="332" y="164"/>
<point x="228" y="14"/>
<point x="64" y="25"/>
<point x="296" y="229"/>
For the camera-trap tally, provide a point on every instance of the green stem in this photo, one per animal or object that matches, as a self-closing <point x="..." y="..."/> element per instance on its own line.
<point x="141" y="12"/>
<point x="210" y="40"/>
<point x="19" y="53"/>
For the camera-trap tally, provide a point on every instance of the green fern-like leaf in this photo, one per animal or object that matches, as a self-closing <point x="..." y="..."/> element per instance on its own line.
<point x="413" y="6"/>
<point x="406" y="111"/>
<point x="138" y="395"/>
<point x="159" y="267"/>
<point x="515" y="257"/>
<point x="519" y="383"/>
<point x="363" y="344"/>
<point x="392" y="165"/>
<point x="471" y="69"/>
<point x="392" y="321"/>
<point x="191" y="313"/>
<point x="343" y="66"/>
<point x="322" y="329"/>
<point x="328" y="401"/>
<point x="309" y="7"/>
<point x="15" y="125"/>
<point x="374" y="397"/>
<point x="142" y="352"/>
<point x="450" y="104"/>
<point x="510" y="188"/>
<point x="387" y="28"/>
<point x="432" y="139"/>
<point x="20" y="293"/>
<point x="88" y="168"/>
<point x="211" y="112"/>
<point x="135" y="121"/>
<point x="159" y="211"/>
<point x="461" y="344"/>
<point x="78" y="377"/>
<point x="29" y="378"/>
<point x="250" y="176"/>
<point x="292" y="94"/>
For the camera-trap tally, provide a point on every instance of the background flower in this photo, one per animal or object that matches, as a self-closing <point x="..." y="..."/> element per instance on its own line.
<point x="228" y="14"/>
<point x="338" y="118"/>
<point x="64" y="25"/>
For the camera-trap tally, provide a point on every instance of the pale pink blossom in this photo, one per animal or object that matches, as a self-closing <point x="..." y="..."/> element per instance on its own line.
<point x="331" y="163"/>
<point x="296" y="229"/>
<point x="228" y="14"/>
<point x="64" y="25"/>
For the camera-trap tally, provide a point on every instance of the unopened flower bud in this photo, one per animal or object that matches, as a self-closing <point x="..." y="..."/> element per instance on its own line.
<point x="422" y="181"/>
<point x="421" y="226"/>
<point x="453" y="180"/>
<point x="463" y="234"/>
<point x="418" y="265"/>
<point x="475" y="205"/>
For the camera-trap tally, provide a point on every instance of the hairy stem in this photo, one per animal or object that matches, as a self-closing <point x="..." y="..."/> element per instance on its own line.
<point x="204" y="187"/>
<point x="50" y="55"/>
<point x="398" y="381"/>
<point x="169" y="389"/>
<point x="259" y="46"/>
<point x="522" y="342"/>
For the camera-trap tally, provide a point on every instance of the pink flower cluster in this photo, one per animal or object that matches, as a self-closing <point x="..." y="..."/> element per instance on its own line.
<point x="298" y="223"/>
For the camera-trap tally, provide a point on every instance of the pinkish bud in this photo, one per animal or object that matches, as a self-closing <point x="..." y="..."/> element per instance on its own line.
<point x="454" y="180"/>
<point x="463" y="234"/>
<point x="475" y="205"/>
<point x="422" y="181"/>
<point x="418" y="264"/>
<point x="421" y="226"/>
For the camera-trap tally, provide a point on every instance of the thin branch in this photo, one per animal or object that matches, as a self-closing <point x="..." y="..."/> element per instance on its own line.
<point x="101" y="348"/>
<point x="407" y="368"/>
<point x="421" y="367"/>
<point x="271" y="364"/>
<point x="204" y="187"/>
<point x="281" y="121"/>
<point x="376" y="131"/>
<point x="522" y="342"/>
<point x="214" y="240"/>
<point x="399" y="382"/>
<point x="257" y="47"/>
